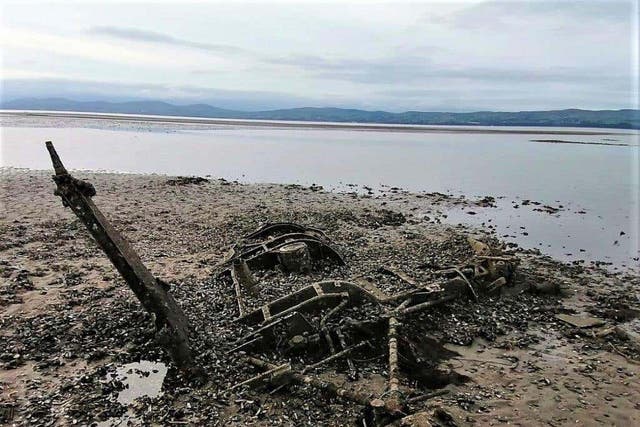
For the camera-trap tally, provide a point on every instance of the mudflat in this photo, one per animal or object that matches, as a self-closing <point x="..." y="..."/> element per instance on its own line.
<point x="382" y="127"/>
<point x="69" y="321"/>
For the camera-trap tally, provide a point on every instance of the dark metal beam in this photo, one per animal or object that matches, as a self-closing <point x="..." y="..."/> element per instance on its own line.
<point x="153" y="294"/>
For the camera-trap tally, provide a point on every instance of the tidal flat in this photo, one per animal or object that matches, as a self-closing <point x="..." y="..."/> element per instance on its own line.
<point x="69" y="321"/>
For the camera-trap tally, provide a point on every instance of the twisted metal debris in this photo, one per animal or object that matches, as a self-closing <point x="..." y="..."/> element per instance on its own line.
<point x="317" y="319"/>
<point x="338" y="336"/>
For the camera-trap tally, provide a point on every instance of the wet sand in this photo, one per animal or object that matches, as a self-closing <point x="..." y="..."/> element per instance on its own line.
<point x="382" y="127"/>
<point x="69" y="320"/>
<point x="559" y="141"/>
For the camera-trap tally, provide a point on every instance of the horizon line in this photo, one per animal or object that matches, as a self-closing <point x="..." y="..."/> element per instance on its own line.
<point x="197" y="103"/>
<point x="364" y="126"/>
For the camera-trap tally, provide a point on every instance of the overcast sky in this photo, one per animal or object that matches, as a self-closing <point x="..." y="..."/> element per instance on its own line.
<point x="445" y="56"/>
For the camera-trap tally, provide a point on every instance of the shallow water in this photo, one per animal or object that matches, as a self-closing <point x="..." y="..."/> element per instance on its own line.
<point x="599" y="180"/>
<point x="142" y="378"/>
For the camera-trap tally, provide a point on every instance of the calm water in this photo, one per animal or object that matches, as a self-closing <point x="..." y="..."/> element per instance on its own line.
<point x="601" y="181"/>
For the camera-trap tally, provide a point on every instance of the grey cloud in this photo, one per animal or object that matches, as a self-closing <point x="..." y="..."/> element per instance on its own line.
<point x="390" y="69"/>
<point x="416" y="69"/>
<point x="594" y="10"/>
<point x="410" y="68"/>
<point x="134" y="34"/>
<point x="501" y="13"/>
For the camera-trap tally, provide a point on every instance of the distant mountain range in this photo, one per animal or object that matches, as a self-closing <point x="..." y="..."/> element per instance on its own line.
<point x="624" y="119"/>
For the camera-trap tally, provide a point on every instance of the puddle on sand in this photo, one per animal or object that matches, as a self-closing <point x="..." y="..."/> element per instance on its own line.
<point x="143" y="378"/>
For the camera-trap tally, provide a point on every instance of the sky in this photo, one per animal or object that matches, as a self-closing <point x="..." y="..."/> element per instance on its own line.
<point x="395" y="56"/>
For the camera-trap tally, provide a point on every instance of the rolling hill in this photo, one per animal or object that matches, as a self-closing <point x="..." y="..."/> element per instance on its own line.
<point x="624" y="119"/>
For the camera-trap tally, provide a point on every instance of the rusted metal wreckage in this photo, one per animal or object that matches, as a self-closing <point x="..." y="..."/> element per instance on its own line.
<point x="154" y="295"/>
<point x="284" y="324"/>
<point x="340" y="337"/>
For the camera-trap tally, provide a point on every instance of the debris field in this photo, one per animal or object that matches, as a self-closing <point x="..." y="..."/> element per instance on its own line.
<point x="300" y="308"/>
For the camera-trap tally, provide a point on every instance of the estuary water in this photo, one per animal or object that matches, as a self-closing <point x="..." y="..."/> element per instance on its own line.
<point x="592" y="173"/>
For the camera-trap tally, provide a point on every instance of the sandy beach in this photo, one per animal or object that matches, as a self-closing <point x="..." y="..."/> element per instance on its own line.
<point x="69" y="320"/>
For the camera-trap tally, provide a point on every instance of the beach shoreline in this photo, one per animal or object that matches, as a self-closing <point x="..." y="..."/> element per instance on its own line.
<point x="178" y="120"/>
<point x="57" y="283"/>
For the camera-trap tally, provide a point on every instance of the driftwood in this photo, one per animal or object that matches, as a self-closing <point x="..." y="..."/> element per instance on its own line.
<point x="153" y="294"/>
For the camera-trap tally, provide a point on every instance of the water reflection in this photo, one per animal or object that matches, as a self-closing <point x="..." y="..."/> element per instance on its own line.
<point x="601" y="180"/>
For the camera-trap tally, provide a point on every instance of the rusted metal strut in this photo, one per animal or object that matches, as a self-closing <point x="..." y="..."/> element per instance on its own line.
<point x="326" y="293"/>
<point x="330" y="387"/>
<point x="171" y="323"/>
<point x="274" y="228"/>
